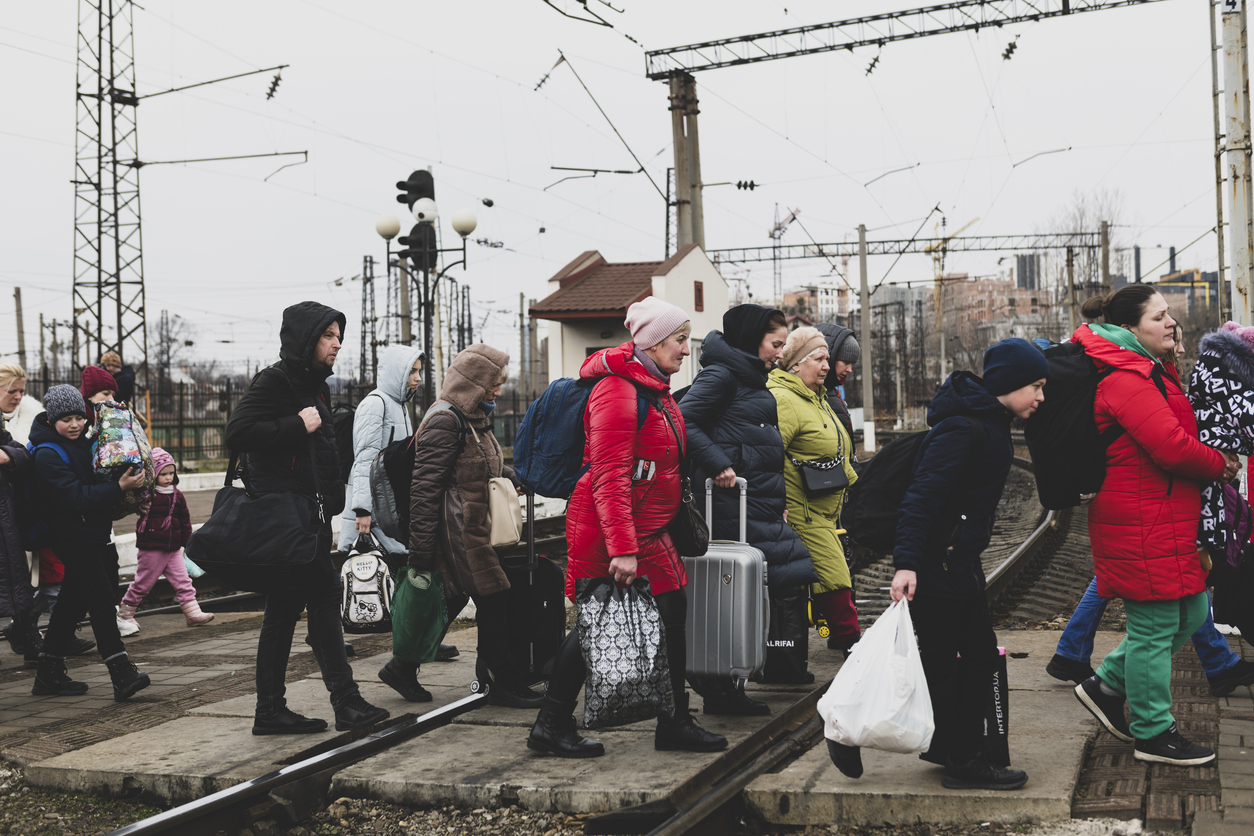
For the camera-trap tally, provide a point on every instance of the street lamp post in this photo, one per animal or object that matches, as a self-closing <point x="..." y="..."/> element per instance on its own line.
<point x="422" y="248"/>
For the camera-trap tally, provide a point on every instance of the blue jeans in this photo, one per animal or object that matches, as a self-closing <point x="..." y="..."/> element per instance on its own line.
<point x="1076" y="643"/>
<point x="317" y="592"/>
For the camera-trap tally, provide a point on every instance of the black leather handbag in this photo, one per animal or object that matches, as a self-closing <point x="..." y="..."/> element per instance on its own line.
<point x="261" y="542"/>
<point x="688" y="528"/>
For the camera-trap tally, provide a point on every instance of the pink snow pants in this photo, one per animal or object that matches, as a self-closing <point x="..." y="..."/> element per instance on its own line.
<point x="151" y="566"/>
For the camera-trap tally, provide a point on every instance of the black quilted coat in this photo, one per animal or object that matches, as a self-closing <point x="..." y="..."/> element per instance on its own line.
<point x="731" y="420"/>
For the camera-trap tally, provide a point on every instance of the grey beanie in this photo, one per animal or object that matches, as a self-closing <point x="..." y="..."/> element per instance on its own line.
<point x="62" y="400"/>
<point x="848" y="351"/>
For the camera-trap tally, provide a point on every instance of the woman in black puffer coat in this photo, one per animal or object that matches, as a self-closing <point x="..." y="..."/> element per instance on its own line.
<point x="733" y="431"/>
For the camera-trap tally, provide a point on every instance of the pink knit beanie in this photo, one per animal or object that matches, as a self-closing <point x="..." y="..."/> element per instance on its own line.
<point x="652" y="320"/>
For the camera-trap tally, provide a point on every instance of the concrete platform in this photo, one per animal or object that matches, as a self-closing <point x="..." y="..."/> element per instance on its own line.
<point x="1048" y="733"/>
<point x="481" y="760"/>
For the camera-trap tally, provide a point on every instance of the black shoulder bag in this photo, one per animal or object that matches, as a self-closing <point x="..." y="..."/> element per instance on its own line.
<point x="824" y="475"/>
<point x="261" y="542"/>
<point x="687" y="528"/>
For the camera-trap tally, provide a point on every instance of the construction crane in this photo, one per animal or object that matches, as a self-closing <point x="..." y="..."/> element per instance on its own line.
<point x="938" y="251"/>
<point x="777" y="234"/>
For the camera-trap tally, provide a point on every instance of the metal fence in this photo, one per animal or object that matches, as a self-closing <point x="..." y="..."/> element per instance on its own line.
<point x="189" y="420"/>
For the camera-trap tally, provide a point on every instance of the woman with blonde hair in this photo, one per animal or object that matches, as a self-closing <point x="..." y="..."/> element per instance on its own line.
<point x="814" y="437"/>
<point x="17" y="408"/>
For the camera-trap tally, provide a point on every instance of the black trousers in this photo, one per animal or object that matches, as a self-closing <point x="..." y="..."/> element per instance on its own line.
<point x="570" y="670"/>
<point x="948" y="628"/>
<point x="90" y="588"/>
<point x="492" y="618"/>
<point x="318" y="592"/>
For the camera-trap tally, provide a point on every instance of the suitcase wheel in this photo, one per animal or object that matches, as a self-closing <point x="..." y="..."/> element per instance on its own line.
<point x="824" y="631"/>
<point x="479" y="687"/>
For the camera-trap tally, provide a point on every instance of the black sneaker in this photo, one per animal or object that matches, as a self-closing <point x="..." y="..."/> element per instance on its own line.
<point x="979" y="774"/>
<point x="1224" y="683"/>
<point x="408" y="688"/>
<point x="447" y="653"/>
<point x="79" y="647"/>
<point x="848" y="759"/>
<point x="356" y="713"/>
<point x="1069" y="670"/>
<point x="1107" y="709"/>
<point x="1171" y="748"/>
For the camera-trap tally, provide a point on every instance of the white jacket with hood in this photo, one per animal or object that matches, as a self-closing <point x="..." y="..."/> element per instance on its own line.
<point x="382" y="417"/>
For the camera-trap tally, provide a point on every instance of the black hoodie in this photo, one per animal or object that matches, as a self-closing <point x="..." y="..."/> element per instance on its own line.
<point x="267" y="427"/>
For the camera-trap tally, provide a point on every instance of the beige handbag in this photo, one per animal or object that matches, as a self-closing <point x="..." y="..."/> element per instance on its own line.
<point x="504" y="513"/>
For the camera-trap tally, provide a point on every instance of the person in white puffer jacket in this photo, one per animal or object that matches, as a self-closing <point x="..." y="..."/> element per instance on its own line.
<point x="382" y="417"/>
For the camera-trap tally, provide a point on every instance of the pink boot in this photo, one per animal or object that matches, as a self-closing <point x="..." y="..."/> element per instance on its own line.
<point x="193" y="614"/>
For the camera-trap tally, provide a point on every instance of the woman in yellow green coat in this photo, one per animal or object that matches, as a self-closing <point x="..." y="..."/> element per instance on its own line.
<point x="812" y="433"/>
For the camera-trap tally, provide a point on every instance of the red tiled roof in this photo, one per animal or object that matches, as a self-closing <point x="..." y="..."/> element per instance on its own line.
<point x="590" y="286"/>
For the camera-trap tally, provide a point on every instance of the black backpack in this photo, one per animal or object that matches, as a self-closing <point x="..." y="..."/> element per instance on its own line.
<point x="342" y="418"/>
<point x="1068" y="452"/>
<point x="392" y="474"/>
<point x="873" y="506"/>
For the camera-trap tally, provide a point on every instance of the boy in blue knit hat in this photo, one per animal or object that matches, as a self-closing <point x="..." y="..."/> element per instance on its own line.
<point x="945" y="523"/>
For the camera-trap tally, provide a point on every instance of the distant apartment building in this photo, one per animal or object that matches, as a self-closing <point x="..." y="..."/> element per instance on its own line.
<point x="821" y="302"/>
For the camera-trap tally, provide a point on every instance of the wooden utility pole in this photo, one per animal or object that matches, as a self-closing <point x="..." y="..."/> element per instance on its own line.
<point x="1074" y="306"/>
<point x="868" y="373"/>
<point x="1105" y="235"/>
<point x="21" y="329"/>
<point x="43" y="360"/>
<point x="522" y="347"/>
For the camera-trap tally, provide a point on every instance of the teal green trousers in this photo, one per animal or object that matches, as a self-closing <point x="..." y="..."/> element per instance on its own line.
<point x="1140" y="667"/>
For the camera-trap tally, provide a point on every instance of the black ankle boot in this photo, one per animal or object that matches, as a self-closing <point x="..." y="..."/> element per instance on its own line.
<point x="679" y="732"/>
<point x="402" y="677"/>
<point x="554" y="733"/>
<point x="51" y="680"/>
<point x="24" y="638"/>
<point x="127" y="680"/>
<point x="728" y="700"/>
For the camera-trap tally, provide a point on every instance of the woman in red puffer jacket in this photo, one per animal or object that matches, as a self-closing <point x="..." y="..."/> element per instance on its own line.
<point x="1143" y="521"/>
<point x="617" y="516"/>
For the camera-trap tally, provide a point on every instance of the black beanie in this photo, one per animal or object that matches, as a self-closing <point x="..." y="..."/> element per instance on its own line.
<point x="1012" y="364"/>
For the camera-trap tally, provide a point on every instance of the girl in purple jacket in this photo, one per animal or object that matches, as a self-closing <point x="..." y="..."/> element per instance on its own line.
<point x="160" y="537"/>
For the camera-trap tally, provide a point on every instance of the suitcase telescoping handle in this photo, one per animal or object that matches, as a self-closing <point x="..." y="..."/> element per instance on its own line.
<point x="741" y="483"/>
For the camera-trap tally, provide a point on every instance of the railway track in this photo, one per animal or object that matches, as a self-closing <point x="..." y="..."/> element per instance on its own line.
<point x="1019" y="564"/>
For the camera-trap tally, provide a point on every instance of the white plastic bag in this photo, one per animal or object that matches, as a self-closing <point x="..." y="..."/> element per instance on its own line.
<point x="879" y="698"/>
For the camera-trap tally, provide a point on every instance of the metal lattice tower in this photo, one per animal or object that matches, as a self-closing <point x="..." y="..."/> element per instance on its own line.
<point x="108" y="260"/>
<point x="369" y="323"/>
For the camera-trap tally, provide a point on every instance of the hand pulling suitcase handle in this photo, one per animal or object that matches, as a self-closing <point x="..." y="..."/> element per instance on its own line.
<point x="741" y="483"/>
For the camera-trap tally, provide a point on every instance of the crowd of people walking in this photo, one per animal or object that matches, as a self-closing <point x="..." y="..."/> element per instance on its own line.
<point x="764" y="407"/>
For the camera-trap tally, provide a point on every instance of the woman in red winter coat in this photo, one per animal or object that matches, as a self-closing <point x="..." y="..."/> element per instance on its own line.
<point x="1143" y="521"/>
<point x="617" y="516"/>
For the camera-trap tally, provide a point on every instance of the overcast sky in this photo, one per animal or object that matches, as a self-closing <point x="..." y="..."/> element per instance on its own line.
<point x="378" y="88"/>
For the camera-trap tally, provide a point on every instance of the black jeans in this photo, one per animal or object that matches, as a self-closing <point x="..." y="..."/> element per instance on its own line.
<point x="318" y="592"/>
<point x="570" y="670"/>
<point x="960" y="688"/>
<point x="90" y="587"/>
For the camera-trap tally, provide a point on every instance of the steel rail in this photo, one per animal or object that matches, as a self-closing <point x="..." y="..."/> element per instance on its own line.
<point x="336" y="758"/>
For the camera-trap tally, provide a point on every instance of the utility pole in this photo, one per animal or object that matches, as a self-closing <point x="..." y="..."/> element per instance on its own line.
<point x="1237" y="93"/>
<point x="43" y="360"/>
<point x="680" y="85"/>
<point x="1225" y="304"/>
<point x="402" y="297"/>
<point x="1071" y="288"/>
<point x="522" y="346"/>
<point x="21" y="329"/>
<point x="1105" y="233"/>
<point x="868" y="389"/>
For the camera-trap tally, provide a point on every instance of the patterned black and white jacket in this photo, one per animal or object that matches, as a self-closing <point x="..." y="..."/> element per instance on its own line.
<point x="1222" y="393"/>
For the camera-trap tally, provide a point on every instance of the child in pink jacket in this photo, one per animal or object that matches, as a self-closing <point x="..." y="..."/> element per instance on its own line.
<point x="160" y="537"/>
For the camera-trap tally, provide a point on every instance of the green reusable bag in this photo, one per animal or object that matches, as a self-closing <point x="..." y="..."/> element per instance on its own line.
<point x="419" y="616"/>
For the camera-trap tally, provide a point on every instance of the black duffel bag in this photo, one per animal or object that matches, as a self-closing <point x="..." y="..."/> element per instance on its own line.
<point x="260" y="542"/>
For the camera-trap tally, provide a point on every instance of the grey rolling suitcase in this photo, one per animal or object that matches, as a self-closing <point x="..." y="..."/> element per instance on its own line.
<point x="727" y="603"/>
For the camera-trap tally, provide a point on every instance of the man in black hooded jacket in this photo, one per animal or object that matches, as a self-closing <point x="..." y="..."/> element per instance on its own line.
<point x="283" y="427"/>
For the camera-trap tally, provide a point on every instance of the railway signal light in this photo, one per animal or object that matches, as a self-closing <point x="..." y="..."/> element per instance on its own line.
<point x="420" y="246"/>
<point x="746" y="184"/>
<point x="274" y="85"/>
<point x="419" y="185"/>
